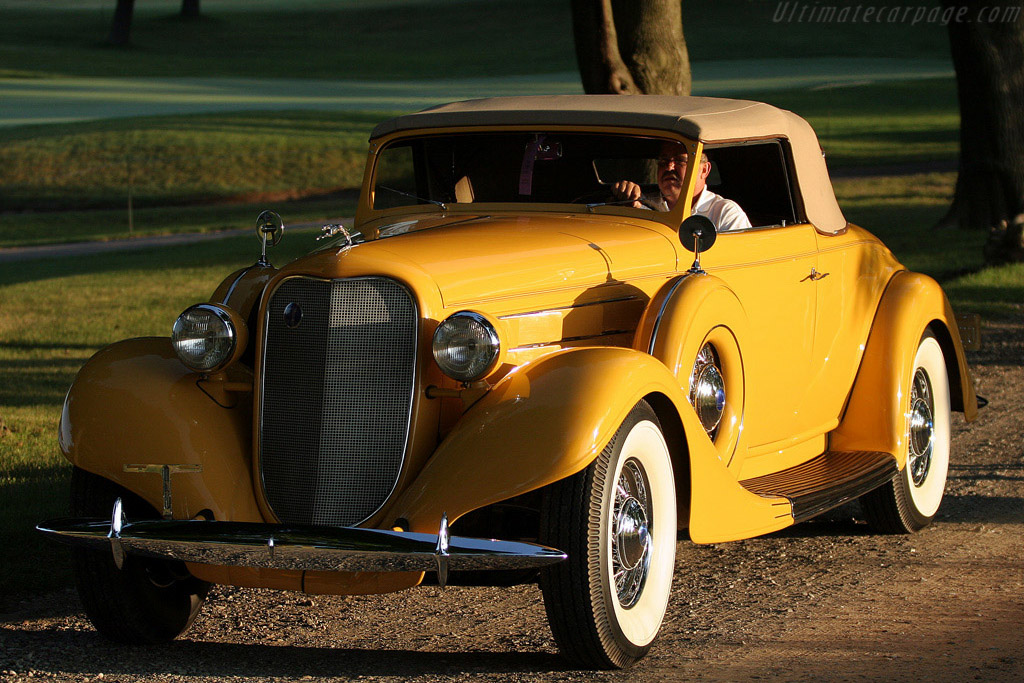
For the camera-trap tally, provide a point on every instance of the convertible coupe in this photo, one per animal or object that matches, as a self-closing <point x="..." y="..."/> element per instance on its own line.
<point x="538" y="355"/>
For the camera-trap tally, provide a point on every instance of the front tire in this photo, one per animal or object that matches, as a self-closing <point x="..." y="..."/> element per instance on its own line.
<point x="146" y="601"/>
<point x="616" y="520"/>
<point x="909" y="502"/>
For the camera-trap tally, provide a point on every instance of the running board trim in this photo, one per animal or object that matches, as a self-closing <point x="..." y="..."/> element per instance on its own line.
<point x="827" y="481"/>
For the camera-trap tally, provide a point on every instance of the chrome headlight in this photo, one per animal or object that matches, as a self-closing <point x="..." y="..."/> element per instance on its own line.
<point x="207" y="337"/>
<point x="466" y="346"/>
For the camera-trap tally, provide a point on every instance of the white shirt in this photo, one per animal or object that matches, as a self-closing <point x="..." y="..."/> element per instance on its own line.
<point x="724" y="213"/>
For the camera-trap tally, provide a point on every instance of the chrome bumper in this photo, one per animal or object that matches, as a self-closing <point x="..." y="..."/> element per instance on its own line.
<point x="272" y="546"/>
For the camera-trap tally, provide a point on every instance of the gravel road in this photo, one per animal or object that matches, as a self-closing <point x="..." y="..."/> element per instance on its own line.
<point x="825" y="600"/>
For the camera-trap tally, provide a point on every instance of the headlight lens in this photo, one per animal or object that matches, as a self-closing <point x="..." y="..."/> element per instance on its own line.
<point x="466" y="346"/>
<point x="204" y="337"/>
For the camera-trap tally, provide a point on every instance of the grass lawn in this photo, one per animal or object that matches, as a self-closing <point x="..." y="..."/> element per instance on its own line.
<point x="396" y="39"/>
<point x="901" y="210"/>
<point x="884" y="124"/>
<point x="181" y="159"/>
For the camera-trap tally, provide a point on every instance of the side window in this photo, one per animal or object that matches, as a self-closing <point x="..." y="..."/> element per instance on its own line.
<point x="756" y="175"/>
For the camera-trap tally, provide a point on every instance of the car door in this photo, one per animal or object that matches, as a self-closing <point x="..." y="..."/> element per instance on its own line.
<point x="853" y="269"/>
<point x="769" y="269"/>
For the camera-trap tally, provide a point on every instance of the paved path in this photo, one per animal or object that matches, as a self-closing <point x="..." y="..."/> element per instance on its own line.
<point x="12" y="254"/>
<point x="62" y="100"/>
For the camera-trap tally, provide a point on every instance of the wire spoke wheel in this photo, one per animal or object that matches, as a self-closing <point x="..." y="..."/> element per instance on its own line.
<point x="921" y="437"/>
<point x="631" y="539"/>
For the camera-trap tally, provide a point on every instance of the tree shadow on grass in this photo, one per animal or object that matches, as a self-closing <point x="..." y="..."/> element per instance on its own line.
<point x="231" y="252"/>
<point x="30" y="382"/>
<point x="34" y="564"/>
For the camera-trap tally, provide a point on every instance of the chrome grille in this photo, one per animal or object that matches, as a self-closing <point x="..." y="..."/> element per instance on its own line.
<point x="337" y="394"/>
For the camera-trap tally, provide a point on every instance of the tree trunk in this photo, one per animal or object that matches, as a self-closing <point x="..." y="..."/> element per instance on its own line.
<point x="190" y="9"/>
<point x="626" y="47"/>
<point x="989" y="63"/>
<point x="597" y="49"/>
<point x="120" y="28"/>
<point x="652" y="45"/>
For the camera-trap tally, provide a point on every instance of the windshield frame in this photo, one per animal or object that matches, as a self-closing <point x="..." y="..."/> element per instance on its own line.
<point x="367" y="214"/>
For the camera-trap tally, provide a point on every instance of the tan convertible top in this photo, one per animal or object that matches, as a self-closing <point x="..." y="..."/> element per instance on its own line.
<point x="708" y="119"/>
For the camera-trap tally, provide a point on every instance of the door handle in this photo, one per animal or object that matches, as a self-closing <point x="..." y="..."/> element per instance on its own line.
<point x="815" y="276"/>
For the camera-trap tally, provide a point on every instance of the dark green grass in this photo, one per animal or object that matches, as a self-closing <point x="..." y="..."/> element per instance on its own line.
<point x="995" y="292"/>
<point x="334" y="40"/>
<point x="403" y="40"/>
<point x="180" y="159"/>
<point x="884" y="124"/>
<point x="902" y="210"/>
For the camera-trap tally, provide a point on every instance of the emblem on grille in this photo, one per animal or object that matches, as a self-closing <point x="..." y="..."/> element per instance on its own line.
<point x="292" y="315"/>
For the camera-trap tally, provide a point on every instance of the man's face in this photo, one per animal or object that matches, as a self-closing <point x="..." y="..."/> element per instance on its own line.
<point x="671" y="168"/>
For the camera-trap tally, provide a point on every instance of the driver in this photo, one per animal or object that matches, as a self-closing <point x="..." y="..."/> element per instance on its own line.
<point x="724" y="213"/>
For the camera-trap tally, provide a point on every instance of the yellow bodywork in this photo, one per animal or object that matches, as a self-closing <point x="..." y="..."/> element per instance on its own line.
<point x="874" y="420"/>
<point x="596" y="311"/>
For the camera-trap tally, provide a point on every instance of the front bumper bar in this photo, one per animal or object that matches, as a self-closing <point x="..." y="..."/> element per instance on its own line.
<point x="318" y="548"/>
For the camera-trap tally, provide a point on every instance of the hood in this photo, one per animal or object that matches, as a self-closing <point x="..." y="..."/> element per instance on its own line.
<point x="474" y="259"/>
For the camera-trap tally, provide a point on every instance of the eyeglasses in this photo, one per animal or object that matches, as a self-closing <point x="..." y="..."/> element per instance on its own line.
<point x="678" y="161"/>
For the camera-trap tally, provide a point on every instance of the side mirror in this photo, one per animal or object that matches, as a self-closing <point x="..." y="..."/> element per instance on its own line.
<point x="697" y="233"/>
<point x="269" y="231"/>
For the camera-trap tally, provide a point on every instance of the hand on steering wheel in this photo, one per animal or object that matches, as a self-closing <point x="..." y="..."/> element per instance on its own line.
<point x="626" y="190"/>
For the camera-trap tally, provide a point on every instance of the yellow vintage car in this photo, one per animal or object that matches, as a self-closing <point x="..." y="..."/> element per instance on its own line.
<point x="562" y="334"/>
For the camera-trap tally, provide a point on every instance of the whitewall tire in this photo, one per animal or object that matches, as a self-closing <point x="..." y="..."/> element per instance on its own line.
<point x="617" y="522"/>
<point x="910" y="501"/>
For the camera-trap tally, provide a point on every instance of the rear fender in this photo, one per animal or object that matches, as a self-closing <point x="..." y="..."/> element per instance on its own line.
<point x="134" y="403"/>
<point x="875" y="416"/>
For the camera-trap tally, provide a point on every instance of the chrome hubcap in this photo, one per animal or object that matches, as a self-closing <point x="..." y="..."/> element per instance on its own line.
<point x="631" y="537"/>
<point x="922" y="428"/>
<point x="707" y="390"/>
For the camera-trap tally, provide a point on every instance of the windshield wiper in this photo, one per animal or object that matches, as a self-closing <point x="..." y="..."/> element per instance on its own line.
<point x="617" y="202"/>
<point x="443" y="206"/>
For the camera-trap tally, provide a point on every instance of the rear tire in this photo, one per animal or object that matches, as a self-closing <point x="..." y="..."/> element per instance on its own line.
<point x="616" y="520"/>
<point x="145" y="602"/>
<point x="909" y="502"/>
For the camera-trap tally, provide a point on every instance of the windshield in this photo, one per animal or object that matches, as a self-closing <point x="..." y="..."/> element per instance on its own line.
<point x="517" y="167"/>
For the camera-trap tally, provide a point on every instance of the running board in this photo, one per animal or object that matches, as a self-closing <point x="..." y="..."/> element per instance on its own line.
<point x="827" y="481"/>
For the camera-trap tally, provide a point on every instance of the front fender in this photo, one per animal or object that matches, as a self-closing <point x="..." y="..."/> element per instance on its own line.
<point x="689" y="312"/>
<point x="543" y="422"/>
<point x="135" y="403"/>
<point x="550" y="419"/>
<point x="875" y="417"/>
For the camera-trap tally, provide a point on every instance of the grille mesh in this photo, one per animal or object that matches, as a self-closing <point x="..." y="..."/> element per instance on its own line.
<point x="337" y="389"/>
